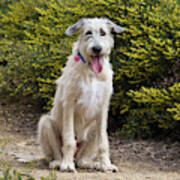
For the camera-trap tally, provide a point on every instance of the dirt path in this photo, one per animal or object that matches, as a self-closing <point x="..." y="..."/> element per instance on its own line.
<point x="136" y="160"/>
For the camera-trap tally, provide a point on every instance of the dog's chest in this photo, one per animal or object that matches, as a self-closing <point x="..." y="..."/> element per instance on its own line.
<point x="92" y="97"/>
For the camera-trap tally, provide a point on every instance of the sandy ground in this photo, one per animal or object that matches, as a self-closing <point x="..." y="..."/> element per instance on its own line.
<point x="136" y="160"/>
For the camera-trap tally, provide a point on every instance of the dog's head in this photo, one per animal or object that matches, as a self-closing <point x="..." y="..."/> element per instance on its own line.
<point x="95" y="40"/>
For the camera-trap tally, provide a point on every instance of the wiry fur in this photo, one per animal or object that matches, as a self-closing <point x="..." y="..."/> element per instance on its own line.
<point x="80" y="108"/>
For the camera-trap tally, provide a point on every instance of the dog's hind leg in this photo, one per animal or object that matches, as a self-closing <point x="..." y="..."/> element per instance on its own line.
<point x="87" y="158"/>
<point x="49" y="141"/>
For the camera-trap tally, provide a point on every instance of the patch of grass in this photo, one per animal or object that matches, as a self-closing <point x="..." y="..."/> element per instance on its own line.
<point x="14" y="175"/>
<point x="7" y="175"/>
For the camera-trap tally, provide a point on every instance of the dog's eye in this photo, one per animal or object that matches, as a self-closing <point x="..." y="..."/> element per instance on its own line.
<point x="102" y="32"/>
<point x="88" y="33"/>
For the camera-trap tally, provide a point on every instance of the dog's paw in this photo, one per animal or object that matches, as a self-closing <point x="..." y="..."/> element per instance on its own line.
<point x="88" y="164"/>
<point x="67" y="167"/>
<point x="56" y="164"/>
<point x="108" y="168"/>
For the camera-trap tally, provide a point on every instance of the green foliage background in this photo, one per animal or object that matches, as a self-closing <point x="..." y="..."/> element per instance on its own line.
<point x="146" y="59"/>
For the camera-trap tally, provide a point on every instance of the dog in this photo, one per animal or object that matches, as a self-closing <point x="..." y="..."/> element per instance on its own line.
<point x="74" y="132"/>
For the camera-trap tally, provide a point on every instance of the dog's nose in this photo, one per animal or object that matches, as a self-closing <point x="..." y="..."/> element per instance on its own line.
<point x="97" y="49"/>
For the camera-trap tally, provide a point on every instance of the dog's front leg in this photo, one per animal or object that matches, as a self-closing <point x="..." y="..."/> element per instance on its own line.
<point x="68" y="137"/>
<point x="102" y="138"/>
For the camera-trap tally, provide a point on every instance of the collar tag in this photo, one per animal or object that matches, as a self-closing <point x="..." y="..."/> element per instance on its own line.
<point x="76" y="58"/>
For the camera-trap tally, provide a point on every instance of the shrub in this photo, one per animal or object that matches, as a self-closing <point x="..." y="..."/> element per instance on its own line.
<point x="154" y="109"/>
<point x="34" y="49"/>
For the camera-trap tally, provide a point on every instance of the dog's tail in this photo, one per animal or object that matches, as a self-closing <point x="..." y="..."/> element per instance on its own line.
<point x="28" y="158"/>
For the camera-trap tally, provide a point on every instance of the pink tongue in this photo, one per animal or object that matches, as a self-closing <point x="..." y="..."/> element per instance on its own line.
<point x="97" y="64"/>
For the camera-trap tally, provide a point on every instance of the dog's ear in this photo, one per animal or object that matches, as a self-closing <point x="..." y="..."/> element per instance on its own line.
<point x="75" y="27"/>
<point x="115" y="28"/>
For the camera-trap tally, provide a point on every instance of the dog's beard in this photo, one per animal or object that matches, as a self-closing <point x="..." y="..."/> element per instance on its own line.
<point x="97" y="64"/>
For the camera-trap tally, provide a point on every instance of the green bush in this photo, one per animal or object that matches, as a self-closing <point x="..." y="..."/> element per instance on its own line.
<point x="154" y="109"/>
<point x="34" y="49"/>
